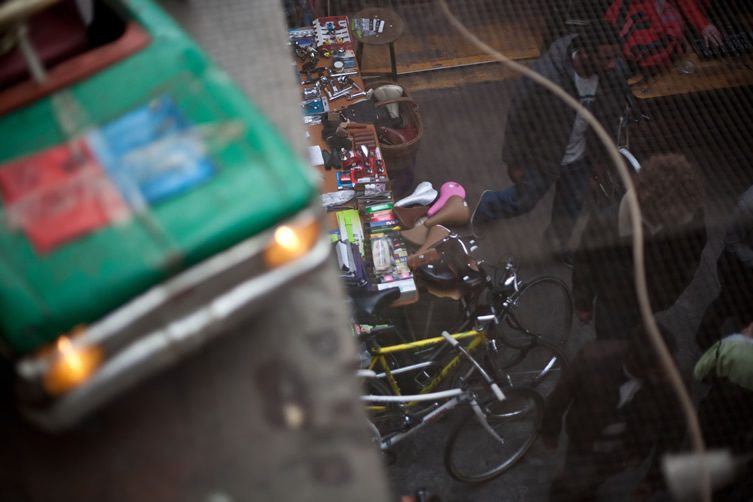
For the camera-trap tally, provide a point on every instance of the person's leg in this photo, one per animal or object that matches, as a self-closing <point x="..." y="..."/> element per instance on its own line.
<point x="614" y="322"/>
<point x="515" y="200"/>
<point x="581" y="476"/>
<point x="569" y="194"/>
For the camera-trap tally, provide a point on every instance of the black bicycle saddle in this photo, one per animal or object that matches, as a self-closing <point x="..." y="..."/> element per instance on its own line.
<point x="441" y="276"/>
<point x="370" y="303"/>
<point x="455" y="268"/>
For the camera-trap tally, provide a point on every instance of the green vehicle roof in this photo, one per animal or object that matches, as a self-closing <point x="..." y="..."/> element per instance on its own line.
<point x="257" y="183"/>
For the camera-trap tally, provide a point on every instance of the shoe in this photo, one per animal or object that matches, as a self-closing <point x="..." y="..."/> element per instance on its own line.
<point x="478" y="221"/>
<point x="423" y="195"/>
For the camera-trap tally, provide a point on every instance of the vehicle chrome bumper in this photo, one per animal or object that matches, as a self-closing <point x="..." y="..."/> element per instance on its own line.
<point x="170" y="321"/>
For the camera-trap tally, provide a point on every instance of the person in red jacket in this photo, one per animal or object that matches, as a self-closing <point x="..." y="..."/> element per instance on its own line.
<point x="652" y="30"/>
<point x="694" y="14"/>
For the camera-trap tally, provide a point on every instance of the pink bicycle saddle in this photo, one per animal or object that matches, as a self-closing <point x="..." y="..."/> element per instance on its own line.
<point x="447" y="190"/>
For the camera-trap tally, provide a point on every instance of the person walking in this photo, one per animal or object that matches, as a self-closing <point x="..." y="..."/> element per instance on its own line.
<point x="547" y="143"/>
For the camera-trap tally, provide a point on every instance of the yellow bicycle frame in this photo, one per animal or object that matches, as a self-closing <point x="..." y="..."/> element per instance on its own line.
<point x="378" y="357"/>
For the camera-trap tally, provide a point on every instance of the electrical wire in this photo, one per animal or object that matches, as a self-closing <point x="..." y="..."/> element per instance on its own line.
<point x="647" y="316"/>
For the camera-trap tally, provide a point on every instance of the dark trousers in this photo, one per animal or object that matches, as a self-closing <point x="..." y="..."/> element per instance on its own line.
<point x="523" y="196"/>
<point x="583" y="473"/>
<point x="615" y="322"/>
<point x="734" y="301"/>
<point x="725" y="414"/>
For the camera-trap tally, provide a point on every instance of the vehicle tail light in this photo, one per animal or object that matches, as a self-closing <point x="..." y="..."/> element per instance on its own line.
<point x="291" y="241"/>
<point x="71" y="365"/>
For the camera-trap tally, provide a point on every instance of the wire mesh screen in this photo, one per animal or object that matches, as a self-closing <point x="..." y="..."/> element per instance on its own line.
<point x="670" y="82"/>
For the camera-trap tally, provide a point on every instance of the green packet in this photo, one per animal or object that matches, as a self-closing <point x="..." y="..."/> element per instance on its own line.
<point x="379" y="207"/>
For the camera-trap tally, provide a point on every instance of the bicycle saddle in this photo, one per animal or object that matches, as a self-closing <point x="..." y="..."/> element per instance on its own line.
<point x="441" y="276"/>
<point x="455" y="268"/>
<point x="370" y="303"/>
<point x="454" y="212"/>
<point x="447" y="190"/>
<point x="433" y="237"/>
<point x="416" y="235"/>
<point x="423" y="195"/>
<point x="408" y="216"/>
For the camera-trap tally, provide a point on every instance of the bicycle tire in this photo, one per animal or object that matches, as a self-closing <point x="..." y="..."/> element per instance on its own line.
<point x="382" y="422"/>
<point x="538" y="366"/>
<point x="473" y="455"/>
<point x="523" y="316"/>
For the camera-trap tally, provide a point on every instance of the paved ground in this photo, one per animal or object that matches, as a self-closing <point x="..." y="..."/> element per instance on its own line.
<point x="462" y="142"/>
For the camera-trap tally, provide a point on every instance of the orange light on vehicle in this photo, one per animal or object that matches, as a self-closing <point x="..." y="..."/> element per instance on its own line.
<point x="290" y="242"/>
<point x="72" y="366"/>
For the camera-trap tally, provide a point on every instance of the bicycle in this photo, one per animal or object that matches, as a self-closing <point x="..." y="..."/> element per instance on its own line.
<point x="527" y="346"/>
<point x="462" y="370"/>
<point x="609" y="188"/>
<point x="497" y="413"/>
<point x="535" y="341"/>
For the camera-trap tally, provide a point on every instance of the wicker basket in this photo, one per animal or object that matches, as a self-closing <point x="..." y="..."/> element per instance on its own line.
<point x="402" y="156"/>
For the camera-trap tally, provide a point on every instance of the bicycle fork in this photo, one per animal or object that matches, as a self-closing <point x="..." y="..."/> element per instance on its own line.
<point x="481" y="417"/>
<point x="487" y="378"/>
<point x="477" y="411"/>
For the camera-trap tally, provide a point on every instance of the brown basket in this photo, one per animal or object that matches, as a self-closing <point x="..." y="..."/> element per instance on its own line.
<point x="401" y="156"/>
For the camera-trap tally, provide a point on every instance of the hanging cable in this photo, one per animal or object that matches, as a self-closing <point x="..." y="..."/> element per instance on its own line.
<point x="647" y="316"/>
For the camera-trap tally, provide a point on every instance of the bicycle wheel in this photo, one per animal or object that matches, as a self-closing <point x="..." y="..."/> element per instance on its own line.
<point x="543" y="307"/>
<point x="539" y="366"/>
<point x="385" y="418"/>
<point x="478" y="452"/>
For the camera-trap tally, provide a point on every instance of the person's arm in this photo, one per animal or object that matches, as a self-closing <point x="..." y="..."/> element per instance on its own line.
<point x="695" y="16"/>
<point x="534" y="119"/>
<point x="522" y="125"/>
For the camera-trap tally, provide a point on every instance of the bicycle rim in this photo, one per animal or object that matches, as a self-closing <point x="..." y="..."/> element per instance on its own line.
<point x="543" y="307"/>
<point x="475" y="454"/>
<point x="540" y="366"/>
